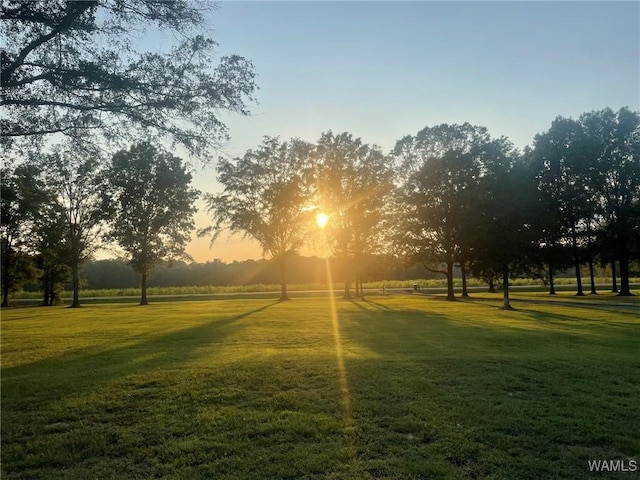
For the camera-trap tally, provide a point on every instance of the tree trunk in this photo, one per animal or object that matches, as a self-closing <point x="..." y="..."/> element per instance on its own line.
<point x="463" y="272"/>
<point x="48" y="283"/>
<point x="5" y="276"/>
<point x="576" y="260"/>
<point x="624" y="276"/>
<point x="347" y="264"/>
<point x="5" y="296"/>
<point x="592" y="278"/>
<point x="347" y="289"/>
<point x="552" y="288"/>
<point x="579" y="292"/>
<point x="614" y="282"/>
<point x="506" y="305"/>
<point x="492" y="287"/>
<point x="361" y="290"/>
<point x="143" y="298"/>
<point x="49" y="290"/>
<point x="75" y="272"/>
<point x="283" y="279"/>
<point x="450" y="294"/>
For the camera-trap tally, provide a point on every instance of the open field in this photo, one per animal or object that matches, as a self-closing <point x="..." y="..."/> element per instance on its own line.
<point x="395" y="387"/>
<point x="604" y="285"/>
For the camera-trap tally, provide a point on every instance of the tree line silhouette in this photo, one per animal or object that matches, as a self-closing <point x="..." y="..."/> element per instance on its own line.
<point x="76" y="88"/>
<point x="450" y="196"/>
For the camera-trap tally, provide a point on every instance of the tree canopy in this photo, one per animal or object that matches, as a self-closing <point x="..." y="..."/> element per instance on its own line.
<point x="265" y="196"/>
<point x="75" y="181"/>
<point x="150" y="204"/>
<point x="75" y="68"/>
<point x="451" y="196"/>
<point x="23" y="196"/>
<point x="353" y="180"/>
<point x="589" y="169"/>
<point x="442" y="165"/>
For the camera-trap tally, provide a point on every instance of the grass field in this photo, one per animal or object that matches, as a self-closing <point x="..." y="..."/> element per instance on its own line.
<point x="561" y="284"/>
<point x="396" y="387"/>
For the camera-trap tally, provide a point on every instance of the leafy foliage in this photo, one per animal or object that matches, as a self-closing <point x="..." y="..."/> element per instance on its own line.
<point x="73" y="68"/>
<point x="75" y="180"/>
<point x="266" y="197"/>
<point x="589" y="170"/>
<point x="353" y="181"/>
<point x="443" y="165"/>
<point x="450" y="196"/>
<point x="150" y="205"/>
<point x="23" y="195"/>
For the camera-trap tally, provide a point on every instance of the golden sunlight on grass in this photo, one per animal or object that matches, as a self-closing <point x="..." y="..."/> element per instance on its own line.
<point x="342" y="371"/>
<point x="400" y="386"/>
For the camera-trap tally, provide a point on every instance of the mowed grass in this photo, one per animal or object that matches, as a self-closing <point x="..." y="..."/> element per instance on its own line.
<point x="396" y="387"/>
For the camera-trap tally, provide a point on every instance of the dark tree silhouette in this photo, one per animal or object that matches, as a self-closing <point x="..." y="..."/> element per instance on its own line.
<point x="561" y="164"/>
<point x="266" y="197"/>
<point x="353" y="181"/>
<point x="22" y="198"/>
<point x="504" y="213"/>
<point x="442" y="165"/>
<point x="613" y="147"/>
<point x="75" y="179"/>
<point x="73" y="68"/>
<point x="150" y="204"/>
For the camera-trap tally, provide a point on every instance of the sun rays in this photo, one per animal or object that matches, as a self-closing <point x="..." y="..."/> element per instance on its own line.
<point x="342" y="371"/>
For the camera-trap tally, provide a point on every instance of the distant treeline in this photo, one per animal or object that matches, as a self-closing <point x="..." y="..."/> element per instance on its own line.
<point x="117" y="273"/>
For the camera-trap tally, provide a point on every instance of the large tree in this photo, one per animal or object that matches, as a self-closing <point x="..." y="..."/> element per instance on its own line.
<point x="441" y="166"/>
<point x="554" y="254"/>
<point x="590" y="170"/>
<point x="266" y="197"/>
<point x="49" y="241"/>
<point x="75" y="178"/>
<point x="76" y="68"/>
<point x="613" y="148"/>
<point x="150" y="202"/>
<point x="23" y="196"/>
<point x="560" y="159"/>
<point x="504" y="213"/>
<point x="353" y="180"/>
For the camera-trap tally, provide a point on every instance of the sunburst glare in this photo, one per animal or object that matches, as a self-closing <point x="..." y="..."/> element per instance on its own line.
<point x="321" y="220"/>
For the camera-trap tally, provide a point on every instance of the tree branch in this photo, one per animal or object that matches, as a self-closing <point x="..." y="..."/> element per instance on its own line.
<point x="433" y="269"/>
<point x="73" y="13"/>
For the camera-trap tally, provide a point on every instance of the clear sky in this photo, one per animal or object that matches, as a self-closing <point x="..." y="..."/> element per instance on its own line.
<point x="383" y="70"/>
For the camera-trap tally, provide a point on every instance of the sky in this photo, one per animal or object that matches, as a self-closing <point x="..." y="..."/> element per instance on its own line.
<point x="384" y="70"/>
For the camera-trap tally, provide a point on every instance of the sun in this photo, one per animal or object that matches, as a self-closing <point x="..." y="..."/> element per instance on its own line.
<point x="321" y="220"/>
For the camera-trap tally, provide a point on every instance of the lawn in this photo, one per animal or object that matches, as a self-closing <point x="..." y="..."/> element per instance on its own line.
<point x="396" y="387"/>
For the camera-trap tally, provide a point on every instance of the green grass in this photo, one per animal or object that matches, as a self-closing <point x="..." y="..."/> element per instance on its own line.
<point x="403" y="387"/>
<point x="253" y="288"/>
<point x="202" y="290"/>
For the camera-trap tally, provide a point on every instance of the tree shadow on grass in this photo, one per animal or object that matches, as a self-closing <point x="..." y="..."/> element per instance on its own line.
<point x="402" y="332"/>
<point x="356" y="302"/>
<point x="631" y="311"/>
<point x="621" y="330"/>
<point x="377" y="305"/>
<point x="440" y="390"/>
<point x="406" y="333"/>
<point x="40" y="384"/>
